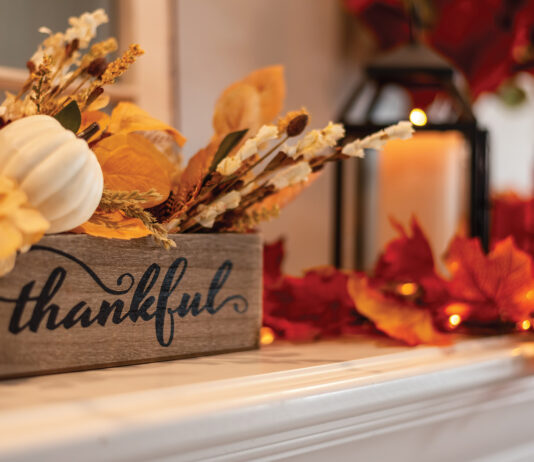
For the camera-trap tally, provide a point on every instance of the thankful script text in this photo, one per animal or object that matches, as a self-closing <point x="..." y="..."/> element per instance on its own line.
<point x="158" y="297"/>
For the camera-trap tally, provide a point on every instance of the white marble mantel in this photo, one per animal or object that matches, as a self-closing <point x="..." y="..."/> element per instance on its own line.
<point x="346" y="400"/>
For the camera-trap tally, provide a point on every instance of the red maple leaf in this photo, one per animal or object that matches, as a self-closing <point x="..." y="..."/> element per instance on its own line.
<point x="485" y="39"/>
<point x="513" y="216"/>
<point x="497" y="286"/>
<point x="312" y="306"/>
<point x="308" y="307"/>
<point x="409" y="259"/>
<point x="406" y="258"/>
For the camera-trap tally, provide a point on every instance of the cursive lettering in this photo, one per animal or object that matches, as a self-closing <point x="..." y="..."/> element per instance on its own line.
<point x="147" y="303"/>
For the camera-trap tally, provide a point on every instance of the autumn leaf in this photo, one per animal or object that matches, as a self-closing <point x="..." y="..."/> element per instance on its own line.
<point x="246" y="104"/>
<point x="312" y="306"/>
<point x="400" y="320"/>
<point x="191" y="179"/>
<point x="409" y="259"/>
<point x="270" y="84"/>
<point x="513" y="215"/>
<point x="305" y="308"/>
<point x="128" y="118"/>
<point x="99" y="103"/>
<point x="113" y="226"/>
<point x="406" y="258"/>
<point x="101" y="118"/>
<point x="238" y="108"/>
<point x="250" y="103"/>
<point x="499" y="284"/>
<point x="130" y="162"/>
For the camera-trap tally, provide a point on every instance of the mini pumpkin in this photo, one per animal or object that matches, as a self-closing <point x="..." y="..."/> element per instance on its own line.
<point x="58" y="171"/>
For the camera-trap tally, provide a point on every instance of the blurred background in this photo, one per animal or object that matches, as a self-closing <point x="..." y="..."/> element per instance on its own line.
<point x="195" y="48"/>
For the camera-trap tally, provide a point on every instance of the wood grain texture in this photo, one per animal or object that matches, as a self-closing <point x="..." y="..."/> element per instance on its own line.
<point x="76" y="302"/>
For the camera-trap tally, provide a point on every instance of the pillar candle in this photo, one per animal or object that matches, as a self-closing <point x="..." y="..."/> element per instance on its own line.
<point x="425" y="177"/>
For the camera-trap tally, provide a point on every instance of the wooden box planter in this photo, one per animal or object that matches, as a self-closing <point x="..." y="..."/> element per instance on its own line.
<point x="76" y="302"/>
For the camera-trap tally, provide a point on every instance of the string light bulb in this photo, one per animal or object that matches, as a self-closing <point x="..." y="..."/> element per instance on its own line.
<point x="524" y="325"/>
<point x="266" y="336"/>
<point x="455" y="320"/>
<point x="407" y="289"/>
<point x="418" y="117"/>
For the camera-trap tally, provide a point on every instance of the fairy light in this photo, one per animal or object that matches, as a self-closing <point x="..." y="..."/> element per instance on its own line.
<point x="266" y="336"/>
<point x="524" y="325"/>
<point x="455" y="320"/>
<point x="456" y="312"/>
<point x="530" y="295"/>
<point x="418" y="117"/>
<point x="407" y="289"/>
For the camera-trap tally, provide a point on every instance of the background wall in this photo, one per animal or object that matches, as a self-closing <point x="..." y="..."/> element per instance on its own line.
<point x="511" y="139"/>
<point x="220" y="41"/>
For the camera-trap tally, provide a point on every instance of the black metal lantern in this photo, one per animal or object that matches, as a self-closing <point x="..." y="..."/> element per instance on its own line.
<point x="414" y="68"/>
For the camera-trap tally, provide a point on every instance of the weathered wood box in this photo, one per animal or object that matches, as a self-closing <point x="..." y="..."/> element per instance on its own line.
<point x="76" y="302"/>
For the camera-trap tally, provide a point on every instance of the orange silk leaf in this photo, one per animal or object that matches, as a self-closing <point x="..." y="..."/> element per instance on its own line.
<point x="250" y="103"/>
<point x="127" y="118"/>
<point x="113" y="226"/>
<point x="190" y="181"/>
<point x="500" y="281"/>
<point x="400" y="320"/>
<point x="131" y="162"/>
<point x="238" y="107"/>
<point x="101" y="118"/>
<point x="270" y="84"/>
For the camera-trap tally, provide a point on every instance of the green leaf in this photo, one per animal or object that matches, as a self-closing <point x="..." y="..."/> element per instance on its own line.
<point x="70" y="117"/>
<point x="229" y="142"/>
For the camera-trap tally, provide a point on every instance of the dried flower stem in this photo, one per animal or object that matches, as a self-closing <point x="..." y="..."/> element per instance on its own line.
<point x="262" y="158"/>
<point x="114" y="200"/>
<point x="130" y="204"/>
<point x="42" y="76"/>
<point x="66" y="101"/>
<point x="80" y="85"/>
<point x="158" y="231"/>
<point x="234" y="178"/>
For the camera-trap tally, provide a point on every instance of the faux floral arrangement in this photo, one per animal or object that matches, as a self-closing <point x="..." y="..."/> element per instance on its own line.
<point x="67" y="166"/>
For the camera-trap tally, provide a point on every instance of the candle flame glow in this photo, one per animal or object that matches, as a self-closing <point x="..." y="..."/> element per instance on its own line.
<point x="418" y="117"/>
<point x="266" y="336"/>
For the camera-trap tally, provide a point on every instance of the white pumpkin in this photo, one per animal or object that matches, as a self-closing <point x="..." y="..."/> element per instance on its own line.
<point x="58" y="171"/>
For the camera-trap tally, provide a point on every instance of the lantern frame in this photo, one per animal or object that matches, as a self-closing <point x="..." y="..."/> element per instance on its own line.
<point x="433" y="74"/>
